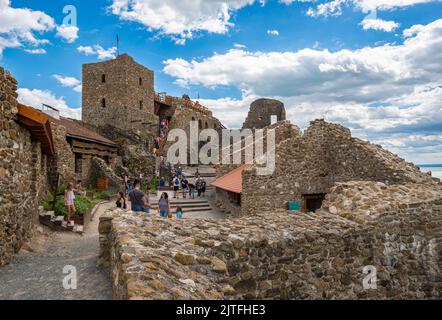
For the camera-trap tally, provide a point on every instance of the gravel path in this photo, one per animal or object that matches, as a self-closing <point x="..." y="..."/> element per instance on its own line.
<point x="37" y="272"/>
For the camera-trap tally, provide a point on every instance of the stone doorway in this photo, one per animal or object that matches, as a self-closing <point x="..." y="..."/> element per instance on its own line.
<point x="313" y="202"/>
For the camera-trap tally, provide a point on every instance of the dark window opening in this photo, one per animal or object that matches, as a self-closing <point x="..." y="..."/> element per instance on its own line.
<point x="206" y="125"/>
<point x="141" y="105"/>
<point x="78" y="163"/>
<point x="313" y="202"/>
<point x="235" y="198"/>
<point x="103" y="103"/>
<point x="140" y="81"/>
<point x="103" y="78"/>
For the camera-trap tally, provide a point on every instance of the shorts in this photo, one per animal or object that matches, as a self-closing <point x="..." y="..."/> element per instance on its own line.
<point x="176" y="188"/>
<point x="164" y="213"/>
<point x="138" y="208"/>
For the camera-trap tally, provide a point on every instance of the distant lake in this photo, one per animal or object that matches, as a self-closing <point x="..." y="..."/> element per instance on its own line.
<point x="436" y="169"/>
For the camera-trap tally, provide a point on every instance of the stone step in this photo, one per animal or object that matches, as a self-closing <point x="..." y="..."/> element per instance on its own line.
<point x="57" y="220"/>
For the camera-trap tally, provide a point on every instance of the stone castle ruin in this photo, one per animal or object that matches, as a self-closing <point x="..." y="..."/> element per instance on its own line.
<point x="261" y="113"/>
<point x="339" y="218"/>
<point x="40" y="150"/>
<point x="368" y="227"/>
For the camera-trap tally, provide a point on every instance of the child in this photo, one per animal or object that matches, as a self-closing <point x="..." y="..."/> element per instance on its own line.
<point x="179" y="213"/>
<point x="69" y="200"/>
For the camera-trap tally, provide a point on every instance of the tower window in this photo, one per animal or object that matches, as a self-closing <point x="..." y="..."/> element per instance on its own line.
<point x="103" y="103"/>
<point x="140" y="81"/>
<point x="103" y="78"/>
<point x="141" y="105"/>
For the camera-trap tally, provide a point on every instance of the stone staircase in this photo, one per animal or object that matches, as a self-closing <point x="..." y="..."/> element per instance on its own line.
<point x="57" y="223"/>
<point x="188" y="205"/>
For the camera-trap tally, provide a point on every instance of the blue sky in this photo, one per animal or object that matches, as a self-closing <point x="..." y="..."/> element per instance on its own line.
<point x="371" y="65"/>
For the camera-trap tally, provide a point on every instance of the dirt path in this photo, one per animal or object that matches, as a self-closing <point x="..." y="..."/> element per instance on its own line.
<point x="38" y="273"/>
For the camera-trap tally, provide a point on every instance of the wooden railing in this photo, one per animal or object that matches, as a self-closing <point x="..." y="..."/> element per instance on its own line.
<point x="163" y="98"/>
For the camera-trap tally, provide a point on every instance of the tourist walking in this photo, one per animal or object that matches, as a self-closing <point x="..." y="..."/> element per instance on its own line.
<point x="69" y="198"/>
<point x="163" y="205"/>
<point x="121" y="201"/>
<point x="198" y="186"/>
<point x="203" y="187"/>
<point x="139" y="201"/>
<point x="191" y="190"/>
<point x="184" y="186"/>
<point x="176" y="187"/>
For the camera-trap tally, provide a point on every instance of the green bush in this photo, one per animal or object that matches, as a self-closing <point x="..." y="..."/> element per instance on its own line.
<point x="104" y="195"/>
<point x="82" y="205"/>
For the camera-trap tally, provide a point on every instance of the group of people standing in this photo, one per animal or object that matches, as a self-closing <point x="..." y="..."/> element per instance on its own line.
<point x="140" y="200"/>
<point x="180" y="181"/>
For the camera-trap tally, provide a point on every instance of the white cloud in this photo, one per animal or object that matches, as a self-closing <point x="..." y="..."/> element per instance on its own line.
<point x="99" y="51"/>
<point x="180" y="19"/>
<point x="36" y="51"/>
<point x="334" y="7"/>
<point x="239" y="46"/>
<point x="23" y="28"/>
<point x="273" y="32"/>
<point x="68" y="33"/>
<point x="379" y="24"/>
<point x="35" y="98"/>
<point x="69" y="82"/>
<point x="379" y="92"/>
<point x="19" y="25"/>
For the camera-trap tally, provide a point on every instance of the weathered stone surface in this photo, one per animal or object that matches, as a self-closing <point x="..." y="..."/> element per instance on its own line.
<point x="312" y="162"/>
<point x="22" y="174"/>
<point x="287" y="255"/>
<point x="261" y="111"/>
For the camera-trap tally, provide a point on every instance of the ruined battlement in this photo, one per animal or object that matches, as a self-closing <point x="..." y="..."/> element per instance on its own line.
<point x="311" y="163"/>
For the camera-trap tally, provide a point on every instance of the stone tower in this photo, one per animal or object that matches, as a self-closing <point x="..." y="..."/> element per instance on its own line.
<point x="261" y="112"/>
<point x="119" y="93"/>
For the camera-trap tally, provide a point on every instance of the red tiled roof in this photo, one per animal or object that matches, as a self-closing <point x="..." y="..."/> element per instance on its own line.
<point x="76" y="130"/>
<point x="232" y="181"/>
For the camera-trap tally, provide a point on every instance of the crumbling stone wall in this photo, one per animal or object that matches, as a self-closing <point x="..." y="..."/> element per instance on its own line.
<point x="285" y="255"/>
<point x="100" y="170"/>
<point x="63" y="162"/>
<point x="183" y="116"/>
<point x="311" y="163"/>
<point x="260" y="113"/>
<point x="22" y="174"/>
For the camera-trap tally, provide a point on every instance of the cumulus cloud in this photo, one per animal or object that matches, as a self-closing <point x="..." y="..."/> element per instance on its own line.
<point x="379" y="92"/>
<point x="70" y="82"/>
<point x="35" y="98"/>
<point x="18" y="26"/>
<point x="379" y="24"/>
<point x="68" y="33"/>
<point x="23" y="28"/>
<point x="334" y="7"/>
<point x="99" y="51"/>
<point x="180" y="19"/>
